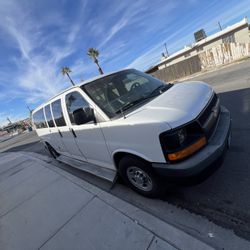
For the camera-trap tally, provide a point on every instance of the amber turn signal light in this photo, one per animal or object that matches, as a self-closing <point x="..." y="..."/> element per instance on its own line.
<point x="187" y="151"/>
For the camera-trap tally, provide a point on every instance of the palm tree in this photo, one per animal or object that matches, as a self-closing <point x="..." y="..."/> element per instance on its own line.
<point x="94" y="53"/>
<point x="66" y="71"/>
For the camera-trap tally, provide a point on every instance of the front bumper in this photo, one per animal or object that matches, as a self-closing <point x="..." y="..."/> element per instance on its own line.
<point x="204" y="158"/>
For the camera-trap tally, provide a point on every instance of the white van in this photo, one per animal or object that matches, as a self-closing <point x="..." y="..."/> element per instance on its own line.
<point x="132" y="124"/>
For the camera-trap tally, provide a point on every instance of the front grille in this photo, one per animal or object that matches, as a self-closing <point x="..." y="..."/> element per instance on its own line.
<point x="208" y="118"/>
<point x="206" y="113"/>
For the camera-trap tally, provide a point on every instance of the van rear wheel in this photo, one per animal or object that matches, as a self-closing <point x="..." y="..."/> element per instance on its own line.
<point x="139" y="176"/>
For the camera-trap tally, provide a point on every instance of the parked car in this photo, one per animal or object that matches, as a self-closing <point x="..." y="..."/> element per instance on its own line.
<point x="132" y="124"/>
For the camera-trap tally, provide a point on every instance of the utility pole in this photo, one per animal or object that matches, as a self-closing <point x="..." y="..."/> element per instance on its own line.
<point x="219" y="26"/>
<point x="8" y="119"/>
<point x="30" y="116"/>
<point x="29" y="109"/>
<point x="166" y="49"/>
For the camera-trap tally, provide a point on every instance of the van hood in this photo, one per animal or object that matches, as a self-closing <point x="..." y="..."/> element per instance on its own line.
<point x="180" y="104"/>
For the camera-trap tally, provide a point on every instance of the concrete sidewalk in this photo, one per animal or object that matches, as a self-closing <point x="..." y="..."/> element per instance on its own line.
<point x="44" y="207"/>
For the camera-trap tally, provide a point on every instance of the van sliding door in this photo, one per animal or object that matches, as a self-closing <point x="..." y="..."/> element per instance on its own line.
<point x="63" y="132"/>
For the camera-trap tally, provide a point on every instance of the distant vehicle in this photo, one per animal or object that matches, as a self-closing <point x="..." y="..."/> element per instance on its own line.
<point x="134" y="125"/>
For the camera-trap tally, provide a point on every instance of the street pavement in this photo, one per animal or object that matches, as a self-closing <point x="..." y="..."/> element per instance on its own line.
<point x="203" y="208"/>
<point x="25" y="139"/>
<point x="44" y="207"/>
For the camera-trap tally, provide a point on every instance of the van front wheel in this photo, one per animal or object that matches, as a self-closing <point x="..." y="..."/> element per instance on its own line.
<point x="139" y="176"/>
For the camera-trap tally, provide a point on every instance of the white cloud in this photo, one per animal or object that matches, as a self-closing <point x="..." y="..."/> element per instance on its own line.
<point x="38" y="74"/>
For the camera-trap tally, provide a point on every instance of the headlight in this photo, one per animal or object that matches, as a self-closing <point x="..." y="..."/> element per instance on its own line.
<point x="183" y="142"/>
<point x="182" y="134"/>
<point x="176" y="139"/>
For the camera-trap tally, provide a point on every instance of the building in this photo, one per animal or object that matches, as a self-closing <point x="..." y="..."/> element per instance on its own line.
<point x="239" y="33"/>
<point x="17" y="126"/>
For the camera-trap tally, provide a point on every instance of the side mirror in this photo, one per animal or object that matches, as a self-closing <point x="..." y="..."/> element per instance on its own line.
<point x="83" y="115"/>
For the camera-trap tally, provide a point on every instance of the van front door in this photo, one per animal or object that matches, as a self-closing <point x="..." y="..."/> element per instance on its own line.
<point x="87" y="133"/>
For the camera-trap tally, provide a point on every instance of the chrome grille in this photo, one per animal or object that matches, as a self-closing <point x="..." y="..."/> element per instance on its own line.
<point x="208" y="118"/>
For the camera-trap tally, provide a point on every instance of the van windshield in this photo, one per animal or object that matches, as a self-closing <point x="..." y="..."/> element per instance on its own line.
<point x="121" y="91"/>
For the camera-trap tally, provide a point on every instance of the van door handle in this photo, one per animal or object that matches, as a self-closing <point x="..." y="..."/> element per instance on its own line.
<point x="73" y="132"/>
<point x="60" y="133"/>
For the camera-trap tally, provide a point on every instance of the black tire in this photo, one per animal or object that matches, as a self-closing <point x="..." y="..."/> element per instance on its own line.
<point x="52" y="151"/>
<point x="130" y="165"/>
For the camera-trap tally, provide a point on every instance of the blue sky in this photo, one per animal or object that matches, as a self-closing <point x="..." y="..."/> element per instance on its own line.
<point x="38" y="37"/>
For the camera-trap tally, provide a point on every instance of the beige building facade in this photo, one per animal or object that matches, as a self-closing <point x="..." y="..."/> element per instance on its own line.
<point x="239" y="33"/>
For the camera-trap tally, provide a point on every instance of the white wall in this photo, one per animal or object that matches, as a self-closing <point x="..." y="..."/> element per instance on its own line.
<point x="224" y="53"/>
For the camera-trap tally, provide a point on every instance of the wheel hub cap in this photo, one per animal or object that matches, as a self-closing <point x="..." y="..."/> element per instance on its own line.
<point x="139" y="178"/>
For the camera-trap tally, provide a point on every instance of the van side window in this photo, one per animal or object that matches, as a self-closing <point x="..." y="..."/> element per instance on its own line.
<point x="39" y="119"/>
<point x="75" y="102"/>
<point x="49" y="116"/>
<point x="57" y="113"/>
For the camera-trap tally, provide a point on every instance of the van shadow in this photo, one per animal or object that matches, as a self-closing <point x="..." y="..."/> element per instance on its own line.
<point x="35" y="147"/>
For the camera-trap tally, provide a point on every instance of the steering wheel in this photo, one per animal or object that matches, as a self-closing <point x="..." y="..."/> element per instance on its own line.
<point x="135" y="86"/>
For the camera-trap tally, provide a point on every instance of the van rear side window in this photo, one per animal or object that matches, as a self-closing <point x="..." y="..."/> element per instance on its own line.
<point x="57" y="113"/>
<point x="49" y="116"/>
<point x="39" y="119"/>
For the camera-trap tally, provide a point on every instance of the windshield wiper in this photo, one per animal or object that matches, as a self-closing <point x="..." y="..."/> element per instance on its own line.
<point x="160" y="89"/>
<point x="157" y="91"/>
<point x="131" y="104"/>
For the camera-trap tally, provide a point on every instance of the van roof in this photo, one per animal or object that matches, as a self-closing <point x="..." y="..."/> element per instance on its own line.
<point x="77" y="85"/>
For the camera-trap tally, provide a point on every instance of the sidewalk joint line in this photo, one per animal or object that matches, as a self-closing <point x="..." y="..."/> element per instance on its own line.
<point x="15" y="166"/>
<point x="24" y="180"/>
<point x="138" y="223"/>
<point x="29" y="198"/>
<point x="150" y="243"/>
<point x="67" y="221"/>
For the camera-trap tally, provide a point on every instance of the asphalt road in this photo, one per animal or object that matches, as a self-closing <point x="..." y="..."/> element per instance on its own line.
<point x="25" y="141"/>
<point x="224" y="196"/>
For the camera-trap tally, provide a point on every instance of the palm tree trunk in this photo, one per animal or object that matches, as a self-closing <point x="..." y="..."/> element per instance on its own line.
<point x="70" y="79"/>
<point x="99" y="68"/>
